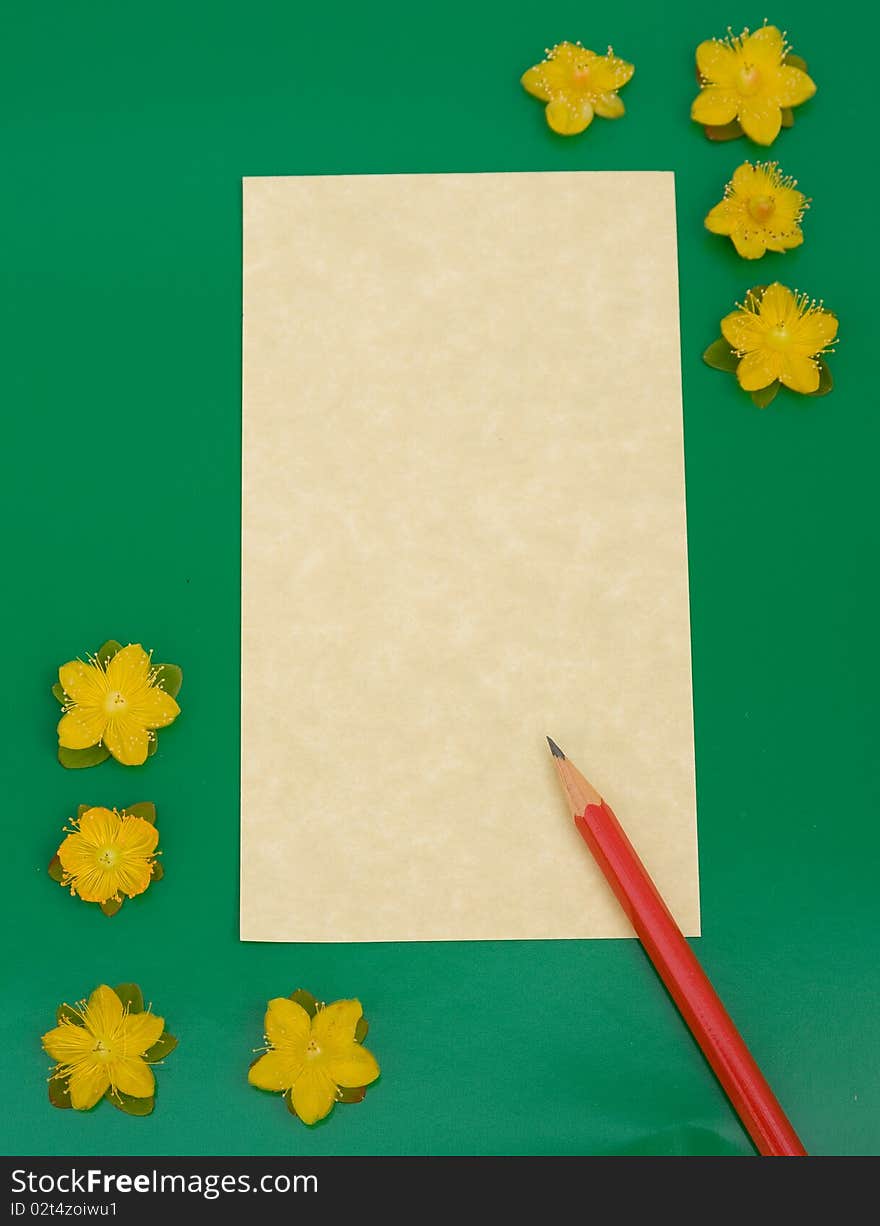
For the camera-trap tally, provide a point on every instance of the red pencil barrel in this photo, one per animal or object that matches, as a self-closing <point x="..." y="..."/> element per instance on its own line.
<point x="686" y="981"/>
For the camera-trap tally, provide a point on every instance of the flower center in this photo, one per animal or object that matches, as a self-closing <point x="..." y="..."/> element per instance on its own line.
<point x="748" y="80"/>
<point x="581" y="74"/>
<point x="115" y="703"/>
<point x="108" y="856"/>
<point x="778" y="337"/>
<point x="761" y="208"/>
<point x="102" y="1051"/>
<point x="312" y="1049"/>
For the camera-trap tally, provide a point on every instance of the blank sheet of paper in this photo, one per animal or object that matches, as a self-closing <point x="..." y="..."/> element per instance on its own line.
<point x="463" y="530"/>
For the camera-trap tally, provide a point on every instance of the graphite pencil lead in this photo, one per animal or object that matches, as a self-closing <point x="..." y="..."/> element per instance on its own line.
<point x="555" y="750"/>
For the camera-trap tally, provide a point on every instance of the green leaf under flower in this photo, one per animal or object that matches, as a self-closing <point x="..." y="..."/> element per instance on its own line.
<point x="361" y="1029"/>
<point x="720" y="356"/>
<point x="107" y="651"/>
<point x="59" y="694"/>
<point x="288" y="1099"/>
<point x="795" y="61"/>
<point x="158" y="870"/>
<point x="723" y="132"/>
<point x="66" y="1013"/>
<point x="111" y="906"/>
<point x="81" y="809"/>
<point x="169" y="677"/>
<point x="348" y="1094"/>
<point x="55" y="871"/>
<point x="765" y="395"/>
<point x="144" y="809"/>
<point x="163" y="1047"/>
<point x="131" y="1106"/>
<point x="826" y="382"/>
<point x="78" y="759"/>
<point x="131" y="996"/>
<point x="306" y="1000"/>
<point x="152" y="743"/>
<point x="787" y="117"/>
<point x="59" y="1094"/>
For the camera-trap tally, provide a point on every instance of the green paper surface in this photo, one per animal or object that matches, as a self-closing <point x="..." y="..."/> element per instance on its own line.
<point x="125" y="140"/>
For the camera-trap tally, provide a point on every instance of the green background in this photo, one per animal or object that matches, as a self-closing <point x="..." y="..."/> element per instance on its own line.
<point x="126" y="131"/>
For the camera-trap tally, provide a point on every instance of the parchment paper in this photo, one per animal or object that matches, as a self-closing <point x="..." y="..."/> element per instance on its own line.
<point x="463" y="529"/>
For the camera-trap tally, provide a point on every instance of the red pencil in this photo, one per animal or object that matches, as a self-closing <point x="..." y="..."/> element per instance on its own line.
<point x="677" y="965"/>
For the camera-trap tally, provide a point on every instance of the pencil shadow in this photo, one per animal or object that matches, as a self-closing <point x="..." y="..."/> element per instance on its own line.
<point x="686" y="1141"/>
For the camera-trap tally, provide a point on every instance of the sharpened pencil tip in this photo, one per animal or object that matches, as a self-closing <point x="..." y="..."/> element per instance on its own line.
<point x="554" y="749"/>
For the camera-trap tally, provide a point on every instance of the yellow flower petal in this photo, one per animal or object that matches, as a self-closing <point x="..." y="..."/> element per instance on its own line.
<point x="759" y="369"/>
<point x="608" y="106"/>
<point x="336" y="1023"/>
<point x="608" y="73"/>
<point x="750" y="242"/>
<point x="287" y="1025"/>
<point x="793" y="87"/>
<point x="747" y="180"/>
<point x="778" y="306"/>
<point x="356" y="1067"/>
<point x="136" y="837"/>
<point x="535" y="82"/>
<point x="127" y="741"/>
<point x="97" y="827"/>
<point x="716" y="105"/>
<point x="764" y="48"/>
<point x="277" y="1070"/>
<point x="717" y="62"/>
<point x="813" y="332"/>
<point x="68" y="1043"/>
<point x="139" y="1032"/>
<point x="742" y="331"/>
<point x="95" y="885"/>
<point x="760" y="119"/>
<point x="153" y="708"/>
<point x="81" y="728"/>
<point x="784" y="239"/>
<point x="789" y="206"/>
<point x="83" y="682"/>
<point x="568" y="117"/>
<point x="133" y="877"/>
<point x="104" y="1012"/>
<point x="566" y="54"/>
<point x="85" y="872"/>
<point x="76" y="855"/>
<point x="89" y="1082"/>
<point x="799" y="373"/>
<point x="129" y="669"/>
<point x="555" y="74"/>
<point x="133" y="1076"/>
<point x="722" y="218"/>
<point x="314" y="1094"/>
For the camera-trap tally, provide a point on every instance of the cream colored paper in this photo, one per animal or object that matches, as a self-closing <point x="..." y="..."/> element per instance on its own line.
<point x="463" y="529"/>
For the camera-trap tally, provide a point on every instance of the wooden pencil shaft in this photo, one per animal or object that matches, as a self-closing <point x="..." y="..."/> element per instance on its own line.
<point x="687" y="983"/>
<point x="677" y="966"/>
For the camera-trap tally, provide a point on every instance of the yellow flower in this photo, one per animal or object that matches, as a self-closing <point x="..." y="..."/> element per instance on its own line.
<point x="761" y="211"/>
<point x="779" y="337"/>
<point x="313" y="1058"/>
<point x="108" y="854"/>
<point x="103" y="1049"/>
<point x="577" y="84"/>
<point x="745" y="78"/>
<point x="119" y="704"/>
